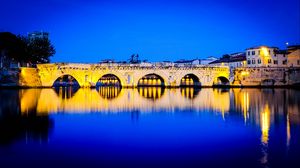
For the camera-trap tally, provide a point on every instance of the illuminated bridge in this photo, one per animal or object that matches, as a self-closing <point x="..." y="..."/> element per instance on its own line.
<point x="122" y="75"/>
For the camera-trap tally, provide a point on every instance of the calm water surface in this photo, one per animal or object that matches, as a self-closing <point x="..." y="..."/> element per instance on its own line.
<point x="150" y="127"/>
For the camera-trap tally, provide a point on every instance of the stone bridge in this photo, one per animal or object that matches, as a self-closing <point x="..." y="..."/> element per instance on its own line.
<point x="87" y="75"/>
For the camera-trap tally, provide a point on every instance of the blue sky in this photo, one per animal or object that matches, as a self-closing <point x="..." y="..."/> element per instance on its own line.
<point x="90" y="30"/>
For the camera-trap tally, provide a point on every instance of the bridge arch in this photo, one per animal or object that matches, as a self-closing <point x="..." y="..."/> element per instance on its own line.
<point x="65" y="80"/>
<point x="109" y="80"/>
<point x="190" y="80"/>
<point x="221" y="81"/>
<point x="152" y="80"/>
<point x="268" y="82"/>
<point x="119" y="76"/>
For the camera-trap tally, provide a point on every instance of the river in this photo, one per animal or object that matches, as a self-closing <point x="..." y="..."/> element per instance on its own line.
<point x="150" y="127"/>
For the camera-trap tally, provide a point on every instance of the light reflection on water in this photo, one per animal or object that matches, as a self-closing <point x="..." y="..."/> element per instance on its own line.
<point x="268" y="116"/>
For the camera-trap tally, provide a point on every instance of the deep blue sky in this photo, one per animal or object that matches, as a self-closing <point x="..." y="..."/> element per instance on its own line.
<point x="91" y="30"/>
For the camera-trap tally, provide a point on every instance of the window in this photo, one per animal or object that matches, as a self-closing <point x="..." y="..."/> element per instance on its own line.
<point x="248" y="62"/>
<point x="275" y="62"/>
<point x="284" y="62"/>
<point x="270" y="52"/>
<point x="259" y="61"/>
<point x="253" y="52"/>
<point x="258" y="52"/>
<point x="248" y="52"/>
<point x="269" y="61"/>
<point x="298" y="62"/>
<point x="253" y="61"/>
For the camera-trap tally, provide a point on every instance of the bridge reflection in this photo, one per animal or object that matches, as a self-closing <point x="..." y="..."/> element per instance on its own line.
<point x="22" y="124"/>
<point x="27" y="110"/>
<point x="115" y="99"/>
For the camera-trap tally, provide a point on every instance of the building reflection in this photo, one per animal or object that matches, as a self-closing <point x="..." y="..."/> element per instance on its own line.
<point x="27" y="126"/>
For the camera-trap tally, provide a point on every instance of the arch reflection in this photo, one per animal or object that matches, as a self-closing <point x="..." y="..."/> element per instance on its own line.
<point x="109" y="92"/>
<point x="151" y="92"/>
<point x="66" y="92"/>
<point x="189" y="92"/>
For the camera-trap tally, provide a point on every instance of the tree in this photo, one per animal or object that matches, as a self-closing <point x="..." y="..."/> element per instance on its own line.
<point x="13" y="46"/>
<point x="21" y="49"/>
<point x="39" y="50"/>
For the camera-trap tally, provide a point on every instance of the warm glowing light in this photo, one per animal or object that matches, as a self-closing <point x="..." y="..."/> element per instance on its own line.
<point x="265" y="124"/>
<point x="244" y="73"/>
<point x="265" y="51"/>
<point x="114" y="99"/>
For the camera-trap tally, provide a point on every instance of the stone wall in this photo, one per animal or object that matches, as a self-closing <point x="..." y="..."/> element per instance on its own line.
<point x="266" y="76"/>
<point x="29" y="77"/>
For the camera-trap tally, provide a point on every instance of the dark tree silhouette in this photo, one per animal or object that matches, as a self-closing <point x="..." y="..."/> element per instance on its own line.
<point x="39" y="50"/>
<point x="12" y="46"/>
<point x="21" y="49"/>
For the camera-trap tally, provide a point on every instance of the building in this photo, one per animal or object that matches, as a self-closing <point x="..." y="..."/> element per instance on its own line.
<point x="208" y="60"/>
<point x="38" y="35"/>
<point x="164" y="64"/>
<point x="234" y="60"/>
<point x="264" y="56"/>
<point x="293" y="56"/>
<point x="183" y="62"/>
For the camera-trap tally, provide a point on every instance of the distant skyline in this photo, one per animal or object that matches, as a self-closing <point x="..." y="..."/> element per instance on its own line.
<point x="91" y="30"/>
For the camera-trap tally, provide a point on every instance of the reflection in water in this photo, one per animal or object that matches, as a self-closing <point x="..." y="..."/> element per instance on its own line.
<point x="189" y="92"/>
<point x="28" y="125"/>
<point x="110" y="99"/>
<point x="265" y="126"/>
<point x="66" y="92"/>
<point x="151" y="92"/>
<point x="109" y="92"/>
<point x="27" y="115"/>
